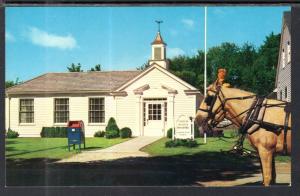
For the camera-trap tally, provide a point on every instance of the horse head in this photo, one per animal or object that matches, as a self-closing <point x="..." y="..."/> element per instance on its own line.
<point x="212" y="109"/>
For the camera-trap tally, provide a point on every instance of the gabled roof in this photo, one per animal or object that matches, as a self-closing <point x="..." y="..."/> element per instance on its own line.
<point x="103" y="81"/>
<point x="158" y="39"/>
<point x="156" y="66"/>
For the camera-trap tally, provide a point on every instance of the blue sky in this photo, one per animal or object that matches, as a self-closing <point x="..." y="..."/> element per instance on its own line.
<point x="40" y="40"/>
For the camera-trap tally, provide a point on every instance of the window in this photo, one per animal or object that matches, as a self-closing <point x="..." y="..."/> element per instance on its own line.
<point x="154" y="111"/>
<point x="165" y="110"/>
<point x="96" y="110"/>
<point x="61" y="110"/>
<point x="157" y="53"/>
<point x="283" y="58"/>
<point x="144" y="113"/>
<point x="26" y="114"/>
<point x="280" y="95"/>
<point x="288" y="52"/>
<point x="285" y="93"/>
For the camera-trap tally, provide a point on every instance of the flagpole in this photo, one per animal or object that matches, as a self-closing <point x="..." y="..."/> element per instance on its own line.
<point x="205" y="17"/>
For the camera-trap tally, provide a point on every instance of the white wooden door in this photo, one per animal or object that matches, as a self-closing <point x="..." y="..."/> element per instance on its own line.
<point x="154" y="124"/>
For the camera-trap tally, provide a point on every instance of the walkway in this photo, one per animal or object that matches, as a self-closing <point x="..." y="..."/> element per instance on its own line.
<point x="130" y="148"/>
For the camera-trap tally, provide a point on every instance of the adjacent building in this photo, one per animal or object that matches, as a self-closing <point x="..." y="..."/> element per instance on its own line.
<point x="148" y="101"/>
<point x="283" y="76"/>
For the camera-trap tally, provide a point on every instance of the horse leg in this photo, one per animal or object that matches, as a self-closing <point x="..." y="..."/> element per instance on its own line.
<point x="273" y="181"/>
<point x="266" y="157"/>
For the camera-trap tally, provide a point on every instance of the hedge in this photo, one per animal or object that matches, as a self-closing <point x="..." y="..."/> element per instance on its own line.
<point x="12" y="134"/>
<point x="181" y="142"/>
<point x="99" y="134"/>
<point x="125" y="132"/>
<point x="54" y="132"/>
<point x="111" y="134"/>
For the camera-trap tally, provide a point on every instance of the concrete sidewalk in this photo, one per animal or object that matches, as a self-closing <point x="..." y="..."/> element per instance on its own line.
<point x="130" y="148"/>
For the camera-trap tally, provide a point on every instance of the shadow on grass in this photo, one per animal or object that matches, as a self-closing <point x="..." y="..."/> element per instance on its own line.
<point x="135" y="171"/>
<point x="10" y="149"/>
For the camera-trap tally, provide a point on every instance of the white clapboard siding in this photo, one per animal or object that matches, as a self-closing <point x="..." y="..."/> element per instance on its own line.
<point x="127" y="110"/>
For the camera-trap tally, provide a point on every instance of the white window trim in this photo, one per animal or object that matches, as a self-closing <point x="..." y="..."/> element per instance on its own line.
<point x="55" y="123"/>
<point x="88" y="112"/>
<point x="34" y="113"/>
<point x="283" y="61"/>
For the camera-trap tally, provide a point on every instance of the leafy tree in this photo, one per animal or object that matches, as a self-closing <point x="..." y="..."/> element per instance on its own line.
<point x="143" y="67"/>
<point x="249" y="68"/>
<point x="11" y="83"/>
<point x="75" y="68"/>
<point x="96" y="68"/>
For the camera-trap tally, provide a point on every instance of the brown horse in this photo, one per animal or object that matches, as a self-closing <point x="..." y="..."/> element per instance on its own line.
<point x="270" y="135"/>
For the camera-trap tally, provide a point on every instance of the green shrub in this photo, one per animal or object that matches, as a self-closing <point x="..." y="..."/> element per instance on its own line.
<point x="125" y="132"/>
<point x="99" y="134"/>
<point x="54" y="132"/>
<point x="111" y="134"/>
<point x="181" y="142"/>
<point x="112" y="125"/>
<point x="12" y="134"/>
<point x="170" y="133"/>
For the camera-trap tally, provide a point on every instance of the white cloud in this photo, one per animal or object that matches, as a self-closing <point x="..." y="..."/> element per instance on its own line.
<point x="173" y="32"/>
<point x="172" y="52"/>
<point x="218" y="11"/>
<point x="188" y="22"/>
<point x="45" y="39"/>
<point x="9" y="37"/>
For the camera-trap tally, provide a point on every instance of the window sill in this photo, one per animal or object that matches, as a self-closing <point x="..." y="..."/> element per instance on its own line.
<point x="60" y="124"/>
<point x="96" y="124"/>
<point x="26" y="124"/>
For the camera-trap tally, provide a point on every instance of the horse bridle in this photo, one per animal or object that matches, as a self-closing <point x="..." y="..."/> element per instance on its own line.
<point x="210" y="100"/>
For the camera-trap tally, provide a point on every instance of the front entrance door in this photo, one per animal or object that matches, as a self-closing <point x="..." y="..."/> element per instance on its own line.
<point x="154" y="119"/>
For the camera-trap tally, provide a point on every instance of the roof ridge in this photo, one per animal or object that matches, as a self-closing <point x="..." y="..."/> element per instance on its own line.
<point x="93" y="72"/>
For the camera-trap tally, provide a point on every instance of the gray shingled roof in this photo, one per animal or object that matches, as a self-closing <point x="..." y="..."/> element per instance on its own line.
<point x="75" y="81"/>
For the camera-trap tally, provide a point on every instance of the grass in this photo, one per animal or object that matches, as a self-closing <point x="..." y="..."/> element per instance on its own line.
<point x="52" y="148"/>
<point x="213" y="145"/>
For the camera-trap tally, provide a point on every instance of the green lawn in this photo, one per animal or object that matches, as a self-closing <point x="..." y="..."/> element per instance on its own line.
<point x="213" y="145"/>
<point x="51" y="148"/>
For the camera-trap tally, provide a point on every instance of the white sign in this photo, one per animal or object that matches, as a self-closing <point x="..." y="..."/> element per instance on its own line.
<point x="183" y="128"/>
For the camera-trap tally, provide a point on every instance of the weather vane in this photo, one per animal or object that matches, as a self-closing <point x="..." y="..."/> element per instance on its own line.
<point x="158" y="23"/>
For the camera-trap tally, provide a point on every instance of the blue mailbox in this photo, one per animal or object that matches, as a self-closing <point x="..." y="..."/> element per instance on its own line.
<point x="76" y="134"/>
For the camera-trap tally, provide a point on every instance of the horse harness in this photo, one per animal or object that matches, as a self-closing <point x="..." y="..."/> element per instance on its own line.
<point x="254" y="117"/>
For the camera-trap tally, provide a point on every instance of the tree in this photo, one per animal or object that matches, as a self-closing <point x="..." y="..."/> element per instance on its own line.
<point x="11" y="83"/>
<point x="96" y="68"/>
<point x="249" y="68"/>
<point x="143" y="67"/>
<point x="75" y="68"/>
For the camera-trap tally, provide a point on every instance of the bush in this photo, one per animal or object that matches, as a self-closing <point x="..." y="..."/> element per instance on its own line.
<point x="181" y="142"/>
<point x="125" y="132"/>
<point x="99" y="134"/>
<point x="12" y="134"/>
<point x="170" y="133"/>
<point x="54" y="132"/>
<point x="112" y="125"/>
<point x="111" y="134"/>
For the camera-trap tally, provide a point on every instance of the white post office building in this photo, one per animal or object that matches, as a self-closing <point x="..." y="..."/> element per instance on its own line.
<point x="148" y="101"/>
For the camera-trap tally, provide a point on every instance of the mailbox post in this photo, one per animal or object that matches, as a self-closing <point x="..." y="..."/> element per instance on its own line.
<point x="76" y="134"/>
